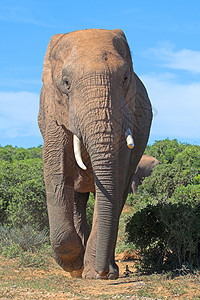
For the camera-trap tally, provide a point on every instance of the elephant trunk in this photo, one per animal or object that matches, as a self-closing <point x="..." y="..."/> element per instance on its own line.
<point x="106" y="177"/>
<point x="103" y="121"/>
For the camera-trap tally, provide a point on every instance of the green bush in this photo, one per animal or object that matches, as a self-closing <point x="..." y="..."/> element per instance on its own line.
<point x="11" y="154"/>
<point x="28" y="204"/>
<point x="165" y="151"/>
<point x="167" y="236"/>
<point x="12" y="250"/>
<point x="166" y="224"/>
<point x="22" y="189"/>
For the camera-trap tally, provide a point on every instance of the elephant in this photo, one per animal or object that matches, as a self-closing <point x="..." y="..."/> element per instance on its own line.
<point x="95" y="117"/>
<point x="144" y="169"/>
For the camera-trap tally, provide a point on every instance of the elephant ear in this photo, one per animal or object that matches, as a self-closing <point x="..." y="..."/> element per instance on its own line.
<point x="121" y="45"/>
<point x="142" y="112"/>
<point x="47" y="65"/>
<point x="120" y="33"/>
<point x="48" y="95"/>
<point x="141" y="118"/>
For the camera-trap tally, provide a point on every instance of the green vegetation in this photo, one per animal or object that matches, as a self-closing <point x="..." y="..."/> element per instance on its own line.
<point x="165" y="227"/>
<point x="162" y="223"/>
<point x="27" y="200"/>
<point x="23" y="212"/>
<point x="22" y="190"/>
<point x="26" y="243"/>
<point x="90" y="210"/>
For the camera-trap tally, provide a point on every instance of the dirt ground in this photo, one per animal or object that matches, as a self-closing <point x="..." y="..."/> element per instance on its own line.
<point x="54" y="283"/>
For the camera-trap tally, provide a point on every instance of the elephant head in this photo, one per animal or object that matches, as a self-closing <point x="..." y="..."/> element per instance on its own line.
<point x="91" y="91"/>
<point x="144" y="169"/>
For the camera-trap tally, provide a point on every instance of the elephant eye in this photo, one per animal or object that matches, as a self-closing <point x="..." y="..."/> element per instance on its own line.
<point x="125" y="79"/>
<point x="66" y="83"/>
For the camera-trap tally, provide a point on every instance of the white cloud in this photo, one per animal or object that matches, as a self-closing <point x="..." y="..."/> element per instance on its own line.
<point x="184" y="59"/>
<point x="18" y="114"/>
<point x="177" y="107"/>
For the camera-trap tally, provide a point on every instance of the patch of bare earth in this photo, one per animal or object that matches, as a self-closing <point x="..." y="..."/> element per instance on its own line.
<point x="53" y="283"/>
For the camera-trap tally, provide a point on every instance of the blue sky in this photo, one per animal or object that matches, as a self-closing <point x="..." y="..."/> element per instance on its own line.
<point x="164" y="37"/>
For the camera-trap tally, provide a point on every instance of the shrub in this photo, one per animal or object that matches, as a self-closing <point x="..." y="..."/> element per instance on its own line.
<point x="22" y="190"/>
<point x="27" y="237"/>
<point x="11" y="154"/>
<point x="167" y="235"/>
<point x="166" y="150"/>
<point x="28" y="204"/>
<point x="166" y="224"/>
<point x="29" y="245"/>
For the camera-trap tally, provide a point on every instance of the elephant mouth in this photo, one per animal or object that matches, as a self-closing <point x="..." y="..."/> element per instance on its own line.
<point x="77" y="147"/>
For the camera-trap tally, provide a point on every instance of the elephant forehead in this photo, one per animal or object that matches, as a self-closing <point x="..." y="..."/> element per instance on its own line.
<point x="89" y="45"/>
<point x="95" y="58"/>
<point x="92" y="38"/>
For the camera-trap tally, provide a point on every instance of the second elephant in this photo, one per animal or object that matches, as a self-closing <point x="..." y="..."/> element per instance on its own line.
<point x="144" y="169"/>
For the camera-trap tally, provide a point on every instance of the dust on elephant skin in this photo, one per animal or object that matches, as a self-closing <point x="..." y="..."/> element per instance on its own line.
<point x="95" y="118"/>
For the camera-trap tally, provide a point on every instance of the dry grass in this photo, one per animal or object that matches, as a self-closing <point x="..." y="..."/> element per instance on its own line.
<point x="53" y="283"/>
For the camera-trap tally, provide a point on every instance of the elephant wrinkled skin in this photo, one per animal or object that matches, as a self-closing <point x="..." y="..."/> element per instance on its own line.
<point x="91" y="96"/>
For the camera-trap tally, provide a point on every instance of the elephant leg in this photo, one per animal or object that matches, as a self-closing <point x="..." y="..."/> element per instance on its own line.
<point x="58" y="173"/>
<point x="80" y="219"/>
<point x="90" y="255"/>
<point x="80" y="222"/>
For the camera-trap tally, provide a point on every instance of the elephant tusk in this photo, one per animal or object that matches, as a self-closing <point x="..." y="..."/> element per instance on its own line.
<point x="77" y="152"/>
<point x="129" y="139"/>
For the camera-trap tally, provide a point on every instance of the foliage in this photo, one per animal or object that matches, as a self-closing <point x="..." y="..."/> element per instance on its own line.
<point x="27" y="237"/>
<point x="165" y="150"/>
<point x="90" y="210"/>
<point x="166" y="223"/>
<point x="27" y="243"/>
<point x="168" y="236"/>
<point x="122" y="243"/>
<point x="11" y="154"/>
<point x="22" y="190"/>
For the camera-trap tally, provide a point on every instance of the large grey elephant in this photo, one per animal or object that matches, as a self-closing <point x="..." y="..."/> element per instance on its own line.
<point x="95" y="118"/>
<point x="144" y="169"/>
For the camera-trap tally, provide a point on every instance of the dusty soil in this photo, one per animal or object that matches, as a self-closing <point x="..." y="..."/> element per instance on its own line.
<point x="54" y="283"/>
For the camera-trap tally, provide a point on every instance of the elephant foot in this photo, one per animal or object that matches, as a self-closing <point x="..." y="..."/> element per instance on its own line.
<point x="70" y="263"/>
<point x="90" y="273"/>
<point x="76" y="273"/>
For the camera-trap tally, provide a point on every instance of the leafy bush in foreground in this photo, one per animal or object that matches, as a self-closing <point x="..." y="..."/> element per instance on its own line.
<point x="166" y="224"/>
<point x="167" y="235"/>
